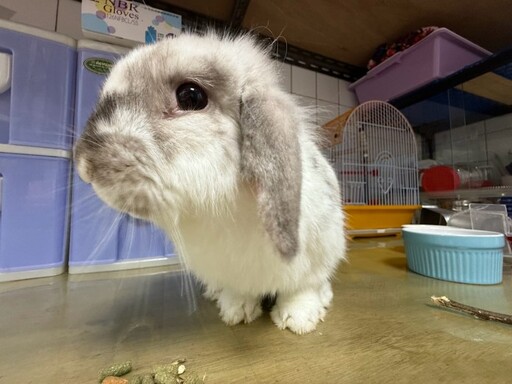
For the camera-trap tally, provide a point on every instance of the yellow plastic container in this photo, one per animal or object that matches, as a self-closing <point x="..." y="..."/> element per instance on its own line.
<point x="360" y="217"/>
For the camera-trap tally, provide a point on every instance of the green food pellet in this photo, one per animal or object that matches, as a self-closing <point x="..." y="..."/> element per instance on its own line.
<point x="136" y="380"/>
<point x="163" y="377"/>
<point x="116" y="370"/>
<point x="166" y="368"/>
<point x="147" y="379"/>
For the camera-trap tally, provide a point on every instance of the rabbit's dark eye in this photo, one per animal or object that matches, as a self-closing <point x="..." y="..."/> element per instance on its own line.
<point x="191" y="97"/>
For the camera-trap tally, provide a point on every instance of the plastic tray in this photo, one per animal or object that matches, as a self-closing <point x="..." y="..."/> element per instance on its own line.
<point x="436" y="56"/>
<point x="361" y="217"/>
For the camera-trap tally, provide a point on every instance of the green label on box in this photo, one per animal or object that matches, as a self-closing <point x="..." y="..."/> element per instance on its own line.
<point x="98" y="65"/>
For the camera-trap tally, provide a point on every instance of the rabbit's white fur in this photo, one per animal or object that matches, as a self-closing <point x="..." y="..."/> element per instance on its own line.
<point x="240" y="186"/>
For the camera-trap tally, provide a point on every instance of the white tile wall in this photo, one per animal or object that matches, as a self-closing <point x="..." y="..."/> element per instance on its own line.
<point x="499" y="140"/>
<point x="500" y="143"/>
<point x="37" y="13"/>
<point x="308" y="102"/>
<point x="344" y="108"/>
<point x="62" y="16"/>
<point x="347" y="97"/>
<point x="69" y="21"/>
<point x="485" y="142"/>
<point x="499" y="123"/>
<point x="330" y="96"/>
<point x="326" y="111"/>
<point x="303" y="82"/>
<point x="327" y="89"/>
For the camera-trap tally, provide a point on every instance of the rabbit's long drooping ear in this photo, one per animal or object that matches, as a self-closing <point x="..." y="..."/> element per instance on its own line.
<point x="271" y="161"/>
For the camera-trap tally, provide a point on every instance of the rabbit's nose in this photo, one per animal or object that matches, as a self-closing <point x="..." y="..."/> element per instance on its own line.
<point x="83" y="170"/>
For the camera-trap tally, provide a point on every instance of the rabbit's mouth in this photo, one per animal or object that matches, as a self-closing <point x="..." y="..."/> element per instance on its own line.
<point x="121" y="173"/>
<point x="134" y="194"/>
<point x="134" y="201"/>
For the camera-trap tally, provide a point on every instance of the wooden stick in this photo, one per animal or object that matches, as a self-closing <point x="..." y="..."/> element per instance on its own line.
<point x="481" y="314"/>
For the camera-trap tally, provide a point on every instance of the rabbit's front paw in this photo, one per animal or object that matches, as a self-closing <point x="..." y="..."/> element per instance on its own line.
<point x="300" y="312"/>
<point x="211" y="293"/>
<point x="236" y="308"/>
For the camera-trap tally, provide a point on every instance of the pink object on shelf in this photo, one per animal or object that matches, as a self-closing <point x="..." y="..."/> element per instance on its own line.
<point x="436" y="56"/>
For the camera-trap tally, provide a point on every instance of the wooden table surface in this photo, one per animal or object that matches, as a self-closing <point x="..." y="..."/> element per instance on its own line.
<point x="380" y="329"/>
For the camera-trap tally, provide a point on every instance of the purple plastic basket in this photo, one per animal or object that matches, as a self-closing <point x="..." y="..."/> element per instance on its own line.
<point x="436" y="56"/>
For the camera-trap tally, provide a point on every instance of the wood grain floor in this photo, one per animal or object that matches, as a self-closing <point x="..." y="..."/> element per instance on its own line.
<point x="381" y="329"/>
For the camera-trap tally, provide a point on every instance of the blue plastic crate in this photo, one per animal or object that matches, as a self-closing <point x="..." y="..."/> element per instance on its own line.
<point x="37" y="75"/>
<point x="34" y="198"/>
<point x="101" y="238"/>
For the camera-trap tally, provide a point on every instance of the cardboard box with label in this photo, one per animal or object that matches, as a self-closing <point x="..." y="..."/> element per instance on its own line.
<point x="127" y="23"/>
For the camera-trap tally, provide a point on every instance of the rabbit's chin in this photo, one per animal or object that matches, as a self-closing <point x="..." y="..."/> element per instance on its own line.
<point x="136" y="202"/>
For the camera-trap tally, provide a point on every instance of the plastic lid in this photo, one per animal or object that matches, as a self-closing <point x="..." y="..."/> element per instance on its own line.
<point x="29" y="30"/>
<point x="104" y="47"/>
<point x="440" y="178"/>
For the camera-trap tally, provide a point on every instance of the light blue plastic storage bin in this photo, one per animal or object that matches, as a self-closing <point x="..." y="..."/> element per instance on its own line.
<point x="34" y="211"/>
<point x="103" y="239"/>
<point x="37" y="74"/>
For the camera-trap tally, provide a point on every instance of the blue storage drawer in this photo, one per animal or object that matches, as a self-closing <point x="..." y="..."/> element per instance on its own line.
<point x="34" y="212"/>
<point x="37" y="76"/>
<point x="103" y="239"/>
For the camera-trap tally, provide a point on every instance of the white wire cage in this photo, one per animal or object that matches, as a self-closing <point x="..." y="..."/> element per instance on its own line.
<point x="376" y="157"/>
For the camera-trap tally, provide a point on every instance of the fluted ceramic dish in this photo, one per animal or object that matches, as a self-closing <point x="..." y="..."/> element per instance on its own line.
<point x="454" y="254"/>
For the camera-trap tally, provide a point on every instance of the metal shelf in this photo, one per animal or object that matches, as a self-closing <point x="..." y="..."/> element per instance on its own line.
<point x="469" y="194"/>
